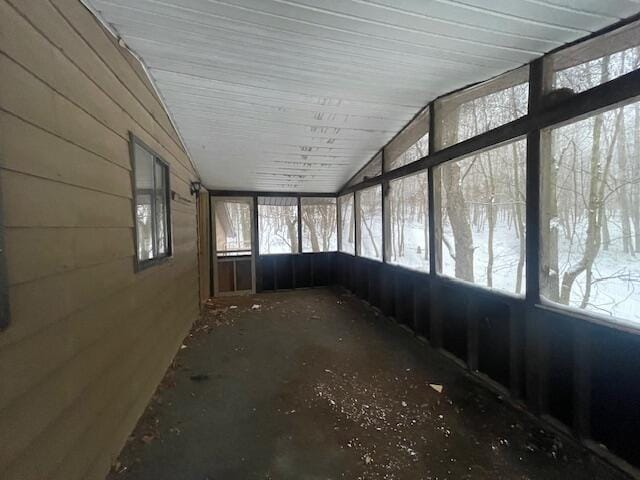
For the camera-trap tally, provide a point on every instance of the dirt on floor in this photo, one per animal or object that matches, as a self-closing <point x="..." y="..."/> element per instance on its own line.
<point x="315" y="384"/>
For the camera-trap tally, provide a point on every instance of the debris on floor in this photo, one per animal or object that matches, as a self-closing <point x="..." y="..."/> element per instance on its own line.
<point x="284" y="399"/>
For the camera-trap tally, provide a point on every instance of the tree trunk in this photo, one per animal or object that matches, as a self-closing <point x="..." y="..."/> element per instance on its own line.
<point x="459" y="219"/>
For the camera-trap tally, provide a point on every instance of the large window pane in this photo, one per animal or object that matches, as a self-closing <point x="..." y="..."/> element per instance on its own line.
<point x="347" y="224"/>
<point x="144" y="164"/>
<point x="482" y="108"/>
<point x="590" y="225"/>
<point x="319" y="233"/>
<point x="483" y="218"/>
<point x="369" y="203"/>
<point x="408" y="232"/>
<point x="597" y="61"/>
<point x="233" y="226"/>
<point x="278" y="224"/>
<point x="410" y="145"/>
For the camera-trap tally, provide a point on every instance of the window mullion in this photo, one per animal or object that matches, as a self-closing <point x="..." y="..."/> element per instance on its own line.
<point x="154" y="220"/>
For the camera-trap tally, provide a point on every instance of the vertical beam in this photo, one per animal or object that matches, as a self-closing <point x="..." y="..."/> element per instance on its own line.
<point x="212" y="257"/>
<point x="431" y="195"/>
<point x="356" y="225"/>
<point x="386" y="225"/>
<point x="536" y="81"/>
<point x="299" y="224"/>
<point x="338" y="224"/>
<point x="535" y="371"/>
<point x="4" y="281"/>
<point x="435" y="317"/>
<point x="255" y="244"/>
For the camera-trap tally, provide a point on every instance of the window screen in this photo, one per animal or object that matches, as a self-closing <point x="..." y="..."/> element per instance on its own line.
<point x="484" y="107"/>
<point x="482" y="215"/>
<point x="369" y="202"/>
<point x="278" y="224"/>
<point x="408" y="231"/>
<point x="319" y="229"/>
<point x="590" y="214"/>
<point x="410" y="145"/>
<point x="347" y="224"/>
<point x="591" y="63"/>
<point x="151" y="174"/>
<point x="233" y="226"/>
<point x="370" y="170"/>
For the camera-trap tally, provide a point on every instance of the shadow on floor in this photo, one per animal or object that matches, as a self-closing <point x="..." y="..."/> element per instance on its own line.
<point x="314" y="384"/>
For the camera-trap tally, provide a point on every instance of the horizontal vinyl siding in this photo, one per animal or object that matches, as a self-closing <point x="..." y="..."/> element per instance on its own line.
<point x="88" y="338"/>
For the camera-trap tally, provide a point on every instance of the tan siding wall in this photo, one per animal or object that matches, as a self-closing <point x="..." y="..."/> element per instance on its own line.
<point x="88" y="338"/>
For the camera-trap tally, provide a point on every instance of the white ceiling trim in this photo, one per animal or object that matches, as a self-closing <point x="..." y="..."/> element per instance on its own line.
<point x="296" y="95"/>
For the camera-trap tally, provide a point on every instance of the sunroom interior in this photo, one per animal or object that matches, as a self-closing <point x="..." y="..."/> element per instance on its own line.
<point x="470" y="170"/>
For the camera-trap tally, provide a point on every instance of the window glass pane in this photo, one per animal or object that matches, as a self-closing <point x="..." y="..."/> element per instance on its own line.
<point x="410" y="145"/>
<point x="233" y="226"/>
<point x="590" y="206"/>
<point x="483" y="217"/>
<point x="597" y="61"/>
<point x="319" y="232"/>
<point x="161" y="209"/>
<point x="408" y="238"/>
<point x="370" y="170"/>
<point x="144" y="162"/>
<point x="278" y="224"/>
<point x="347" y="224"/>
<point x="369" y="203"/>
<point x="482" y="108"/>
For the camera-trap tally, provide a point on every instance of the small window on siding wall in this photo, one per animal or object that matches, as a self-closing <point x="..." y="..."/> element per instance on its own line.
<point x="278" y="224"/>
<point x="408" y="239"/>
<point x="369" y="205"/>
<point x="347" y="224"/>
<point x="410" y="145"/>
<point x="152" y="219"/>
<point x="319" y="233"/>
<point x="482" y="217"/>
<point x="481" y="108"/>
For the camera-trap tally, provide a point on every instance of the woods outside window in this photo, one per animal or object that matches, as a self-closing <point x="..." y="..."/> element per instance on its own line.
<point x="347" y="224"/>
<point x="319" y="229"/>
<point x="590" y="214"/>
<point x="369" y="218"/>
<point x="278" y="224"/>
<point x="151" y="200"/>
<point x="482" y="214"/>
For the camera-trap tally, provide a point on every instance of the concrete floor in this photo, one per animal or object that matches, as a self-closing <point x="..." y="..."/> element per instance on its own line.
<point x="314" y="384"/>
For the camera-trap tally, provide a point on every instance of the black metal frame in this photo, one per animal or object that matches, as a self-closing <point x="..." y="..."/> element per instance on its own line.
<point x="531" y="357"/>
<point x="140" y="265"/>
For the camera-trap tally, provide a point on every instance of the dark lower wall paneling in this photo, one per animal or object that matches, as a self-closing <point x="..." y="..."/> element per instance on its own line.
<point x="615" y="391"/>
<point x="583" y="375"/>
<point x="305" y="270"/>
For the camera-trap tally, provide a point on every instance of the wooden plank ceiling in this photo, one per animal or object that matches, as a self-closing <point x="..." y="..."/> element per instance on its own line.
<point x="296" y="95"/>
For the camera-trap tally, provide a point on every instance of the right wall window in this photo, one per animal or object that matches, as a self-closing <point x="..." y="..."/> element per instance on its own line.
<point x="590" y="214"/>
<point x="482" y="218"/>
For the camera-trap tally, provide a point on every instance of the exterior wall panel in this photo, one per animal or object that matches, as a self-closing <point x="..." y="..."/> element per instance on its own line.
<point x="88" y="339"/>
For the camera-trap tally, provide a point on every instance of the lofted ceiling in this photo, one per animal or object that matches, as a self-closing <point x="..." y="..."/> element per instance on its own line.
<point x="297" y="95"/>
